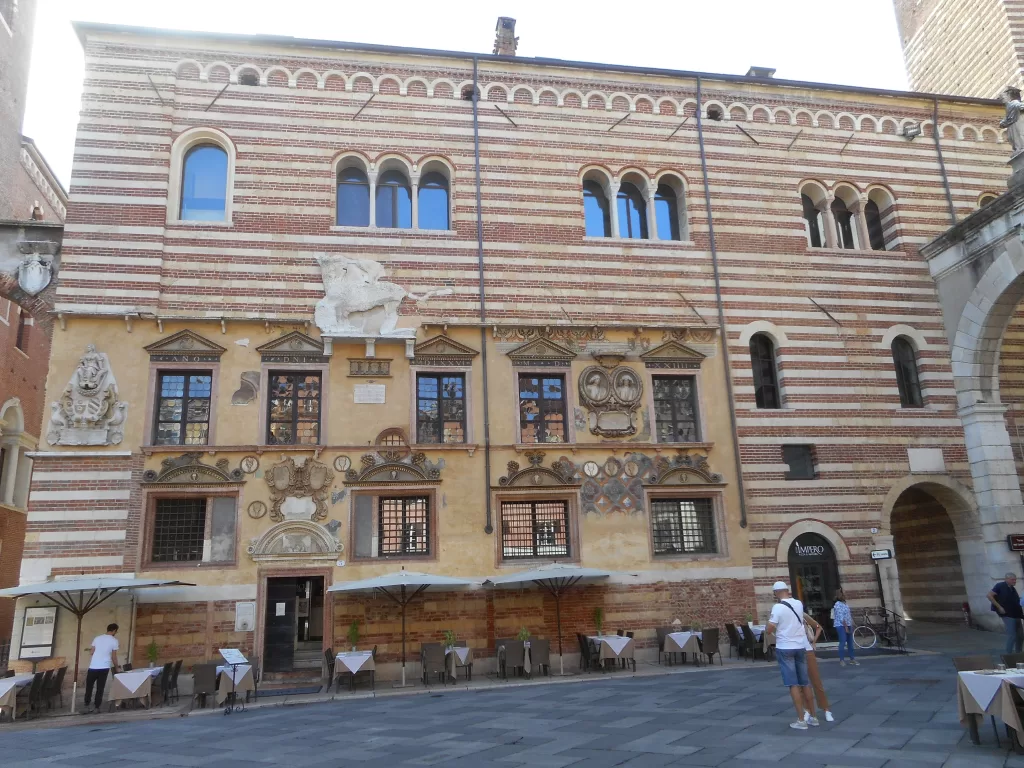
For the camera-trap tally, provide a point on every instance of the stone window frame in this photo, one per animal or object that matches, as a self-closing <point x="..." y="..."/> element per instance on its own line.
<point x="696" y="373"/>
<point x="184" y="142"/>
<point x="466" y="372"/>
<point x="717" y="496"/>
<point x="570" y="402"/>
<point x="569" y="495"/>
<point x="155" y="369"/>
<point x="323" y="368"/>
<point x="208" y="492"/>
<point x="376" y="493"/>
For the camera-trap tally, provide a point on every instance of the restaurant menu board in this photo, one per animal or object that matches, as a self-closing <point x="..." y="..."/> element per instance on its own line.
<point x="37" y="636"/>
<point x="233" y="656"/>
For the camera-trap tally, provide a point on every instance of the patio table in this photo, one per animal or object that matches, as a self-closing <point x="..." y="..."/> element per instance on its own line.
<point x="527" y="664"/>
<point x="978" y="693"/>
<point x="457" y="656"/>
<point x="136" y="684"/>
<point x="242" y="674"/>
<point x="357" y="661"/>
<point x="613" y="646"/>
<point x="9" y="687"/>
<point x="682" y="642"/>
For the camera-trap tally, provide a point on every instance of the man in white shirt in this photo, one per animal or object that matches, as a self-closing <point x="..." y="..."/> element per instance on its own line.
<point x="787" y="624"/>
<point x="104" y="657"/>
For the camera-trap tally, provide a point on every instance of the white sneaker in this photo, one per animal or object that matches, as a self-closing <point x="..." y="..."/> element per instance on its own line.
<point x="842" y="663"/>
<point x="813" y="722"/>
<point x="855" y="662"/>
<point x="799" y="725"/>
<point x="828" y="717"/>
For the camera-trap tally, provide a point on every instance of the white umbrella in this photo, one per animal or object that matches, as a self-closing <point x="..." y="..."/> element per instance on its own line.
<point x="82" y="595"/>
<point x="397" y="586"/>
<point x="555" y="578"/>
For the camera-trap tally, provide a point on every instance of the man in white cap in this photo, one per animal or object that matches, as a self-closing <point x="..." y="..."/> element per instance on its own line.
<point x="787" y="624"/>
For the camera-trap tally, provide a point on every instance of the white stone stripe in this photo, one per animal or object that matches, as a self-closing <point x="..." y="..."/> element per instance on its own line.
<point x="104" y="561"/>
<point x="65" y="477"/>
<point x="200" y="593"/>
<point x="75" y="515"/>
<point x="79" y="495"/>
<point x="69" y="536"/>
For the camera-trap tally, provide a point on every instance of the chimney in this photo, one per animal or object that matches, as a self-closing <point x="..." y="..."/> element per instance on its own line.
<point x="505" y="40"/>
<point x="764" y="72"/>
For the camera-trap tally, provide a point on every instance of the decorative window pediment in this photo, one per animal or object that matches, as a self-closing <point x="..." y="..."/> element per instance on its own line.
<point x="414" y="469"/>
<point x="185" y="347"/>
<point x="683" y="469"/>
<point x="541" y="353"/>
<point x="294" y="347"/>
<point x="443" y="351"/>
<point x="672" y="354"/>
<point x="561" y="473"/>
<point x="187" y="469"/>
<point x="295" y="540"/>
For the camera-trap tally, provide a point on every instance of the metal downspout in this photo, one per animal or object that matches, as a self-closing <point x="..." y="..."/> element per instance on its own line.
<point x="942" y="163"/>
<point x="488" y="525"/>
<point x="721" y="311"/>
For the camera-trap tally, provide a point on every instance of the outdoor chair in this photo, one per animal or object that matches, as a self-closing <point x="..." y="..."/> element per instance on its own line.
<point x="204" y="677"/>
<point x="467" y="667"/>
<point x="126" y="667"/>
<point x="513" y="658"/>
<point x="165" y="682"/>
<point x="26" y="697"/>
<point x="540" y="655"/>
<point x="1011" y="660"/>
<point x="172" y="686"/>
<point x="42" y="698"/>
<point x="709" y="645"/>
<point x="661" y="633"/>
<point x="432" y="660"/>
<point x="621" y="632"/>
<point x="329" y="661"/>
<point x="54" y="690"/>
<point x="581" y="641"/>
<point x="734" y="639"/>
<point x="970" y="664"/>
<point x="255" y="662"/>
<point x="9" y="673"/>
<point x="751" y="647"/>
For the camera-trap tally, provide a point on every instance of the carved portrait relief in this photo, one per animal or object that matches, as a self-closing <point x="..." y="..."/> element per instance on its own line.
<point x="612" y="398"/>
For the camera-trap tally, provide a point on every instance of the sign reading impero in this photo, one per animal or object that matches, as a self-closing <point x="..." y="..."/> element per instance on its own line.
<point x="809" y="550"/>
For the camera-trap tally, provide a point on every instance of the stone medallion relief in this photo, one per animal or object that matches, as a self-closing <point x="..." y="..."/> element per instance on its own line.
<point x="88" y="412"/>
<point x="611" y="396"/>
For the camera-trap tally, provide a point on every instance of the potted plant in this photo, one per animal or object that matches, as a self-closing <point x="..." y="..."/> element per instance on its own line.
<point x="750" y="617"/>
<point x="353" y="633"/>
<point x="152" y="652"/>
<point x="449" y="638"/>
<point x="524" y="634"/>
<point x="599" y="619"/>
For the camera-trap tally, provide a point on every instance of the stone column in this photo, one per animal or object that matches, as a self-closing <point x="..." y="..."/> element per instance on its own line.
<point x="986" y="557"/>
<point x="10" y="472"/>
<point x="613" y="205"/>
<point x="372" y="176"/>
<point x="831" y="235"/>
<point x="652" y="220"/>
<point x="889" y="574"/>
<point x="414" y="188"/>
<point x="863" y="238"/>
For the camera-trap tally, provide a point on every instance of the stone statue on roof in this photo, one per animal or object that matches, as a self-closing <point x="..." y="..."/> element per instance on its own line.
<point x="1012" y="123"/>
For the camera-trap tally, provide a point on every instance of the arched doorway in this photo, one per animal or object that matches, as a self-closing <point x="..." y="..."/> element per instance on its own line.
<point x="927" y="557"/>
<point x="814" y="575"/>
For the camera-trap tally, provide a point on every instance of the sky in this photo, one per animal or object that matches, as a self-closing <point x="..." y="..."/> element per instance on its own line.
<point x="818" y="40"/>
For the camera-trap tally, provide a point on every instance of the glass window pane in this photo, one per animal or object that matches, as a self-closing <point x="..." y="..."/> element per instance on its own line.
<point x="664" y="212"/>
<point x="597" y="218"/>
<point x="433" y="202"/>
<point x="204" y="184"/>
<point x="353" y="204"/>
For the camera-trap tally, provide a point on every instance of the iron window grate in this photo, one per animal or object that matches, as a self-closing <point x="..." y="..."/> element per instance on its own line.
<point x="534" y="529"/>
<point x="404" y="526"/>
<point x="179" y="528"/>
<point x="683" y="526"/>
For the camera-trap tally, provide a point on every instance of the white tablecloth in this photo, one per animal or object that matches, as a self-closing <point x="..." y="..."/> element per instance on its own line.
<point x="983" y="688"/>
<point x="457" y="656"/>
<point x="357" y="661"/>
<point x="682" y="642"/>
<point x="616" y="644"/>
<point x="9" y="687"/>
<point x="242" y="674"/>
<point x="135" y="684"/>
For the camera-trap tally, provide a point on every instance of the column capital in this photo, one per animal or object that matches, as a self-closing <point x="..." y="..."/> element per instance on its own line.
<point x="981" y="410"/>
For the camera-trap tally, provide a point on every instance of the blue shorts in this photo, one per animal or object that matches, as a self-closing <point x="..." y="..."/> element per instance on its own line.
<point x="793" y="664"/>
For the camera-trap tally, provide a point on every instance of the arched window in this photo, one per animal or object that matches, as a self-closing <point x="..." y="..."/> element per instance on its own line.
<point x="986" y="200"/>
<point x="632" y="212"/>
<point x="844" y="224"/>
<point x="353" y="198"/>
<point x="666" y="213"/>
<point x="204" y="184"/>
<point x="596" y="214"/>
<point x="812" y="217"/>
<point x="433" y="202"/>
<point x="873" y="218"/>
<point x="905" y="361"/>
<point x="394" y="201"/>
<point x="762" y="361"/>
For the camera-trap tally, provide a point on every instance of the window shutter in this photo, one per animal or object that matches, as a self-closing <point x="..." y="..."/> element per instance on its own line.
<point x="222" y="529"/>
<point x="364" y="524"/>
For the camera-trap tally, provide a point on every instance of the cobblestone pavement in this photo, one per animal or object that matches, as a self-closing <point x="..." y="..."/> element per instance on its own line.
<point x="889" y="712"/>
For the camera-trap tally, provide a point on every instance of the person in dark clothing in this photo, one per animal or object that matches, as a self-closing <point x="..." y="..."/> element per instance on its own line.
<point x="1006" y="602"/>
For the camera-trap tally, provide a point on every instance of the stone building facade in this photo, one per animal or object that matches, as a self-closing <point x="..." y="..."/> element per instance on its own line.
<point x="677" y="328"/>
<point x="32" y="209"/>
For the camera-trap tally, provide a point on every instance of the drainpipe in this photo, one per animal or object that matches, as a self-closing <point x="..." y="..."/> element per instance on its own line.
<point x="942" y="163"/>
<point x="721" y="311"/>
<point x="488" y="525"/>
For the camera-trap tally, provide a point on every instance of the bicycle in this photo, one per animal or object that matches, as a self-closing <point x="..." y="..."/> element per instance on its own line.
<point x="889" y="628"/>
